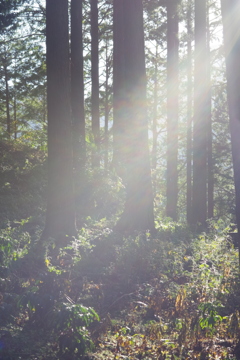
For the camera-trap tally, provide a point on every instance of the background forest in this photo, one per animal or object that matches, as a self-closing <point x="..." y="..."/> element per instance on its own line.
<point x="119" y="142"/>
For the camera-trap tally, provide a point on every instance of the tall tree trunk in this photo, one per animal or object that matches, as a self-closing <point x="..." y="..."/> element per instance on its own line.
<point x="77" y="102"/>
<point x="210" y="176"/>
<point x="189" y="112"/>
<point x="77" y="86"/>
<point x="15" y="115"/>
<point x="15" y="128"/>
<point x="106" y="105"/>
<point x="138" y="210"/>
<point x="119" y="94"/>
<point x="60" y="216"/>
<point x="172" y="108"/>
<point x="5" y="69"/>
<point x="154" y="124"/>
<point x="231" y="33"/>
<point x="95" y="83"/>
<point x="199" y="197"/>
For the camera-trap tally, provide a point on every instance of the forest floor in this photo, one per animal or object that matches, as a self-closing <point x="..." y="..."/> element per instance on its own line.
<point x="103" y="296"/>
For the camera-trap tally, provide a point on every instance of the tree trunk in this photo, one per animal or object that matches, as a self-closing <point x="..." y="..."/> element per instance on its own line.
<point x="189" y="112"/>
<point x="154" y="124"/>
<point x="172" y="108"/>
<point x="15" y="115"/>
<point x="60" y="216"/>
<point x="106" y="106"/>
<point x="119" y="94"/>
<point x="15" y="128"/>
<point x="210" y="180"/>
<point x="95" y="83"/>
<point x="77" y="102"/>
<point x="129" y="46"/>
<point x="77" y="86"/>
<point x="199" y="196"/>
<point x="231" y="18"/>
<point x="7" y="98"/>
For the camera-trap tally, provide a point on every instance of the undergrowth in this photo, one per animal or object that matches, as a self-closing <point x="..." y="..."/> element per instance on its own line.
<point x="105" y="296"/>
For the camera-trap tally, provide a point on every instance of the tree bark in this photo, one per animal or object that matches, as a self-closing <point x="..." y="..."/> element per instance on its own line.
<point x="210" y="175"/>
<point x="106" y="108"/>
<point x="5" y="69"/>
<point x="60" y="216"/>
<point x="119" y="95"/>
<point x="154" y="124"/>
<point x="77" y="86"/>
<point x="15" y="128"/>
<point x="231" y="33"/>
<point x="15" y="115"/>
<point x="95" y="83"/>
<point x="77" y="102"/>
<point x="130" y="109"/>
<point x="172" y="108"/>
<point x="189" y="112"/>
<point x="199" y="196"/>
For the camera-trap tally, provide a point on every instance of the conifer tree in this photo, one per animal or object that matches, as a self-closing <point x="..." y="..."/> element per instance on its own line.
<point x="231" y="17"/>
<point x="172" y="108"/>
<point x="95" y="83"/>
<point x="77" y="103"/>
<point x="130" y="115"/>
<point x="199" y="195"/>
<point x="60" y="216"/>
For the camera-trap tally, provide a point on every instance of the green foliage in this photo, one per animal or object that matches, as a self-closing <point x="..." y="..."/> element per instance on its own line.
<point x="39" y="299"/>
<point x="22" y="182"/>
<point x="8" y="17"/>
<point x="210" y="315"/>
<point x="171" y="295"/>
<point x="14" y="244"/>
<point x="175" y="288"/>
<point x="72" y="321"/>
